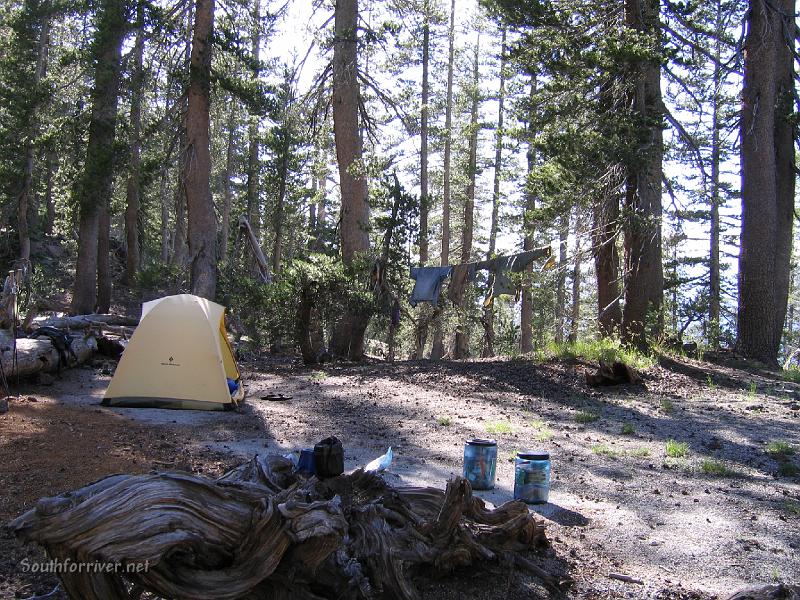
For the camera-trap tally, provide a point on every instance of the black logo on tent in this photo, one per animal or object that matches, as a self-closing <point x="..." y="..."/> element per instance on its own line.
<point x="171" y="363"/>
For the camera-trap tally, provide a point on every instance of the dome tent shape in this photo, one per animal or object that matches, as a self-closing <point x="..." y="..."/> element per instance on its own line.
<point x="178" y="357"/>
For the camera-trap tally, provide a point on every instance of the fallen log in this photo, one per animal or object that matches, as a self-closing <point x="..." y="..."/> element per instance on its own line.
<point x="83" y="321"/>
<point x="615" y="374"/>
<point x="39" y="355"/>
<point x="261" y="532"/>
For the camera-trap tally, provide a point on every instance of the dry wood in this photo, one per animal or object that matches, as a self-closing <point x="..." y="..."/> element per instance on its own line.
<point x="39" y="355"/>
<point x="625" y="578"/>
<point x="262" y="533"/>
<point x="84" y="321"/>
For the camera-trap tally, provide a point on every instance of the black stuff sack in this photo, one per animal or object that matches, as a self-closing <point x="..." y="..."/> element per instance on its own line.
<point x="329" y="458"/>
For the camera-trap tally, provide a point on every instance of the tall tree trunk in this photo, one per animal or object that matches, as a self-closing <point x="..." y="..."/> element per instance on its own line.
<point x="226" y="184"/>
<point x="349" y="337"/>
<point x="24" y="198"/>
<point x="437" y="351"/>
<point x="575" y="311"/>
<point x="644" y="286"/>
<point x="423" y="134"/>
<point x="526" y="314"/>
<point x="714" y="283"/>
<point x="180" y="236"/>
<point x="164" y="196"/>
<point x="561" y="280"/>
<point x="133" y="259"/>
<point x="606" y="261"/>
<point x="283" y="175"/>
<point x="488" y="311"/>
<point x="98" y="175"/>
<point x="104" y="283"/>
<point x="461" y="344"/>
<point x="768" y="179"/>
<point x="202" y="224"/>
<point x="319" y="242"/>
<point x="253" y="161"/>
<point x="49" y="202"/>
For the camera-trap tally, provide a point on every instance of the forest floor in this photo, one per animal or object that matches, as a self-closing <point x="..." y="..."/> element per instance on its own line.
<point x="723" y="514"/>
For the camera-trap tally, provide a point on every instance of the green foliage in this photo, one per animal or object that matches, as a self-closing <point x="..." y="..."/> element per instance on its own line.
<point x="499" y="427"/>
<point x="628" y="429"/>
<point x="676" y="449"/>
<point x="607" y="350"/>
<point x="586" y="417"/>
<point x="603" y="450"/>
<point x="641" y="452"/>
<point x="780" y="449"/>
<point x="667" y="406"/>
<point x="788" y="469"/>
<point x="716" y="468"/>
<point x="444" y="421"/>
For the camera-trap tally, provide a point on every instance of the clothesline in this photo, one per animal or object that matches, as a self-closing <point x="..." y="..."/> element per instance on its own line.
<point x="429" y="280"/>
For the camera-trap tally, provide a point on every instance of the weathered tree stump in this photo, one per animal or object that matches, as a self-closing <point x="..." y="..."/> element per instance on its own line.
<point x="261" y="532"/>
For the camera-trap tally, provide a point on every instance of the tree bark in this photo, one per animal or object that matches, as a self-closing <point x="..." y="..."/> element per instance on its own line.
<point x="437" y="351"/>
<point x="461" y="343"/>
<point x="526" y="314"/>
<point x="179" y="239"/>
<point x="132" y="203"/>
<point x="488" y="311"/>
<point x="561" y="280"/>
<point x="575" y="311"/>
<point x="227" y="193"/>
<point x="24" y="199"/>
<point x="768" y="179"/>
<point x="606" y="262"/>
<point x="714" y="287"/>
<point x="49" y="202"/>
<point x="642" y="318"/>
<point x="278" y="217"/>
<point x="104" y="283"/>
<point x="95" y="189"/>
<point x="349" y="337"/>
<point x="202" y="224"/>
<point x="423" y="134"/>
<point x="253" y="161"/>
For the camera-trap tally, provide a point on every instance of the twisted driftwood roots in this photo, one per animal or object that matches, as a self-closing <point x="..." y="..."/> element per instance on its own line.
<point x="259" y="532"/>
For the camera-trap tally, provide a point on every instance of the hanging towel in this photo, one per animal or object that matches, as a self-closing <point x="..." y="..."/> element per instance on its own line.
<point x="462" y="275"/>
<point x="503" y="284"/>
<point x="428" y="284"/>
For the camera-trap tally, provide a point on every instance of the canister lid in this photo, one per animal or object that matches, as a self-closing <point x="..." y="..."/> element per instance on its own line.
<point x="533" y="455"/>
<point x="481" y="442"/>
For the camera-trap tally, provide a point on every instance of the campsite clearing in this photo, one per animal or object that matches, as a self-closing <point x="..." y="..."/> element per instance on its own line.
<point x="685" y="529"/>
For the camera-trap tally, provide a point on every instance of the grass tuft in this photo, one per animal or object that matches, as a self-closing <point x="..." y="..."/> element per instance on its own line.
<point x="628" y="429"/>
<point x="603" y="450"/>
<point x="499" y="427"/>
<point x="779" y="449"/>
<point x="667" y="406"/>
<point x="788" y="469"/>
<point x="716" y="468"/>
<point x="640" y="452"/>
<point x="444" y="421"/>
<point x="586" y="416"/>
<point x="677" y="449"/>
<point x="607" y="350"/>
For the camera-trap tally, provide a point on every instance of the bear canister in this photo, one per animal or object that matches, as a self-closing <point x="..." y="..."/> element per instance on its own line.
<point x="480" y="463"/>
<point x="532" y="477"/>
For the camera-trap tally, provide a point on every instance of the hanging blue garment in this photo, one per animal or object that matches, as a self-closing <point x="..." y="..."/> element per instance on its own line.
<point x="428" y="284"/>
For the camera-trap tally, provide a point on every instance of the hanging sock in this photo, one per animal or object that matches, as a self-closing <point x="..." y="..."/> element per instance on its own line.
<point x="428" y="284"/>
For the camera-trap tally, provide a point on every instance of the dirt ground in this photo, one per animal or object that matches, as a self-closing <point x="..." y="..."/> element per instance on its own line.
<point x="702" y="525"/>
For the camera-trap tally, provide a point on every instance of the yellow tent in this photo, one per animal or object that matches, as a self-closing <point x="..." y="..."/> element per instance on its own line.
<point x="179" y="357"/>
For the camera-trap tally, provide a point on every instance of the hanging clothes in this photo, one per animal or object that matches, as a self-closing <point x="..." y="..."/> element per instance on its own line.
<point x="500" y="267"/>
<point x="462" y="275"/>
<point x="428" y="284"/>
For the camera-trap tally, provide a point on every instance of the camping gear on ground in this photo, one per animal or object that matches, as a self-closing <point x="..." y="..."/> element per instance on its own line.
<point x="532" y="477"/>
<point x="381" y="463"/>
<point x="428" y="284"/>
<point x="178" y="357"/>
<point x="306" y="462"/>
<point x="480" y="463"/>
<point x="329" y="457"/>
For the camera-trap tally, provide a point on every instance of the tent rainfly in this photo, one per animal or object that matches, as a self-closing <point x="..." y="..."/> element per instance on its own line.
<point x="178" y="357"/>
